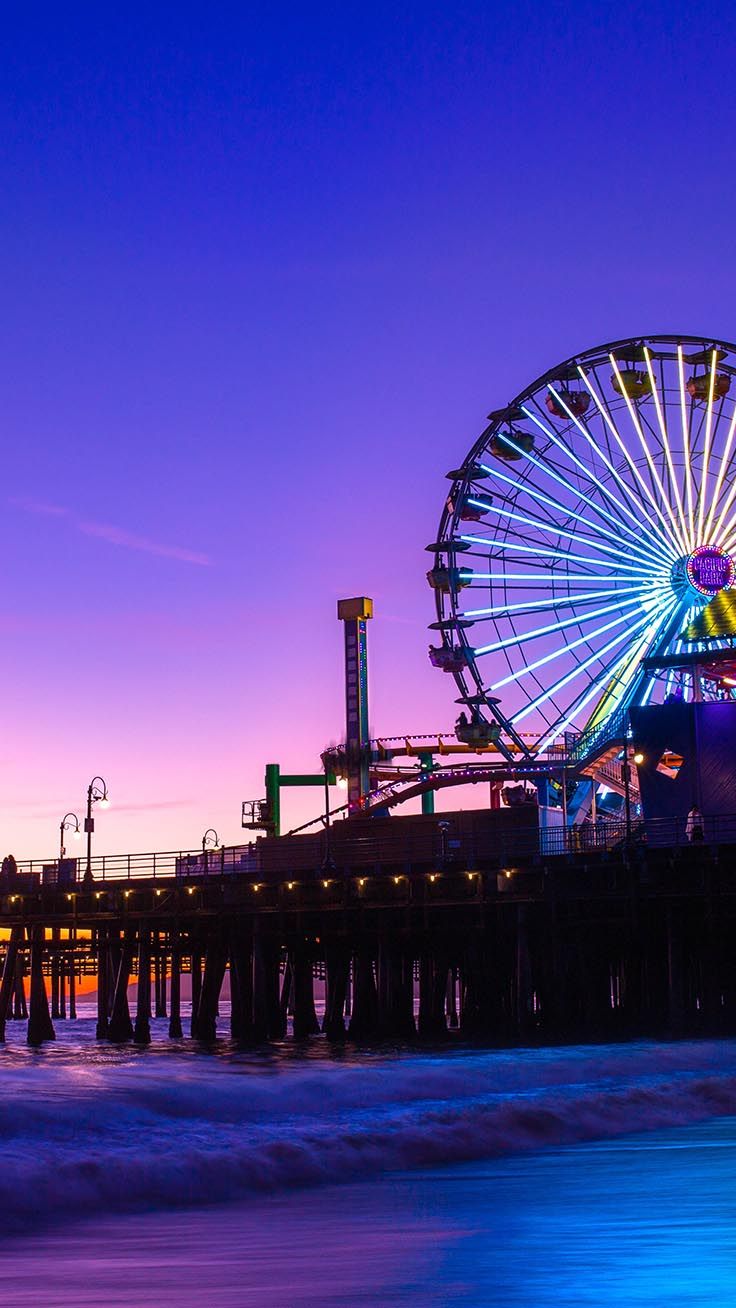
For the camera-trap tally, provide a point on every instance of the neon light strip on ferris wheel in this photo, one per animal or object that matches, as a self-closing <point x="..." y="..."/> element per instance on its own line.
<point x="585" y="431"/>
<point x="564" y="649"/>
<point x="725" y="460"/>
<point x="578" y="620"/>
<point x="536" y="494"/>
<point x="603" y="410"/>
<point x="681" y="540"/>
<point x="665" y="441"/>
<point x="496" y="544"/>
<point x="537" y="578"/>
<point x="582" y="467"/>
<point x="706" y="448"/>
<point x="581" y="667"/>
<point x="686" y="445"/>
<point x="599" y="685"/>
<point x="548" y="526"/>
<point x="556" y="601"/>
<point x="575" y="492"/>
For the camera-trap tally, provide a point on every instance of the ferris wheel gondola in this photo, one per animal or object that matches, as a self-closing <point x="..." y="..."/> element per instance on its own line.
<point x="589" y="525"/>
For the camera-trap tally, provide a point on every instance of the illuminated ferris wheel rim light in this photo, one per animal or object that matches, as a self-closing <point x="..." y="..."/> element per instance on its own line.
<point x="613" y="479"/>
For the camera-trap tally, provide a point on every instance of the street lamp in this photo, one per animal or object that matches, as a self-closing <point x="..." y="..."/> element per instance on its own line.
<point x="209" y="839"/>
<point x="69" y="822"/>
<point x="96" y="794"/>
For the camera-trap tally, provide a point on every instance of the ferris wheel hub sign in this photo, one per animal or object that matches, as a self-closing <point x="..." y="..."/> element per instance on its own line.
<point x="710" y="569"/>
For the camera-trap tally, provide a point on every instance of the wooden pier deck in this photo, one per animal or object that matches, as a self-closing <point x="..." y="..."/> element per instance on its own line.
<point x="420" y="926"/>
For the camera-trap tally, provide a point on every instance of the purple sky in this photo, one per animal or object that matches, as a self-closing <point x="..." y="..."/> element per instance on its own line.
<point x="265" y="269"/>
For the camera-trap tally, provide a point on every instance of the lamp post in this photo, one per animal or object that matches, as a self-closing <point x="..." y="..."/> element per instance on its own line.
<point x="96" y="794"/>
<point x="210" y="838"/>
<point x="69" y="822"/>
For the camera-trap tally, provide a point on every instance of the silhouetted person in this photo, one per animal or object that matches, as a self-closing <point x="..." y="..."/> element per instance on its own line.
<point x="694" y="826"/>
<point x="9" y="871"/>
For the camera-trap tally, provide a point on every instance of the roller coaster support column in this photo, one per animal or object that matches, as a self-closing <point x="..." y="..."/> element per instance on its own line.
<point x="426" y="765"/>
<point x="354" y="613"/>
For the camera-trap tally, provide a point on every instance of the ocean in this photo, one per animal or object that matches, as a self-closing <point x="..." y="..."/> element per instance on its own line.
<point x="313" y="1176"/>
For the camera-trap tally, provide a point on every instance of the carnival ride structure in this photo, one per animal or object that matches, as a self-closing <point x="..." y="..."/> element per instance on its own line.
<point x="587" y="530"/>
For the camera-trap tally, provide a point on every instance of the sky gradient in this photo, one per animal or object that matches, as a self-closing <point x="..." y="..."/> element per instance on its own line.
<point x="264" y="273"/>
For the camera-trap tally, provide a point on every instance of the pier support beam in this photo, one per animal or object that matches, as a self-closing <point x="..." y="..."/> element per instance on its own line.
<point x="268" y="1021"/>
<point x="40" y="1026"/>
<point x="302" y="974"/>
<point x="142" y="1029"/>
<point x="196" y="980"/>
<point x="364" y="1018"/>
<point x="205" y="1026"/>
<point x="103" y="974"/>
<point x="72" y="962"/>
<point x="175" y="1031"/>
<point x="7" y="985"/>
<point x="120" y="1026"/>
<point x="433" y="982"/>
<point x="241" y="986"/>
<point x="395" y="991"/>
<point x="337" y="968"/>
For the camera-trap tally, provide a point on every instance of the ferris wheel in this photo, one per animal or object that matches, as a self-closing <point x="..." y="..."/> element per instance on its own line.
<point x="589" y="525"/>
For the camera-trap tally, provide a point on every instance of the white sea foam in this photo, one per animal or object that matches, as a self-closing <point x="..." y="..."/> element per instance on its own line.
<point x="87" y="1132"/>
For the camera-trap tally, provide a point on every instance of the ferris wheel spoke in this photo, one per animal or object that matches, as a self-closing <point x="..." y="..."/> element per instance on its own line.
<point x="686" y="446"/>
<point x="673" y="545"/>
<point x="572" y="490"/>
<point x="675" y="533"/>
<point x="550" y="578"/>
<point x="613" y="670"/>
<point x="551" y="527"/>
<point x="553" y="602"/>
<point x="565" y="648"/>
<point x="582" y="467"/>
<point x="580" y="668"/>
<point x="640" y="511"/>
<point x="712" y="532"/>
<point x="666" y="446"/>
<point x="703" y="488"/>
<point x="524" y="637"/>
<point x="547" y="553"/>
<point x="540" y="497"/>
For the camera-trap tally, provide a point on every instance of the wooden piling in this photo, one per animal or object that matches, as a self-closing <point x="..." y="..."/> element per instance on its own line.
<point x="196" y="986"/>
<point x="205" y="1026"/>
<point x="268" y="1020"/>
<point x="364" y="1017"/>
<point x="7" y="984"/>
<point x="301" y="969"/>
<point x="142" y="1028"/>
<point x="20" y="1007"/>
<point x="175" y="1030"/>
<point x="160" y="981"/>
<point x="72" y="973"/>
<point x="241" y="985"/>
<point x="55" y="972"/>
<point x="120" y="1025"/>
<point x="40" y="1026"/>
<point x="337" y="969"/>
<point x="103" y="977"/>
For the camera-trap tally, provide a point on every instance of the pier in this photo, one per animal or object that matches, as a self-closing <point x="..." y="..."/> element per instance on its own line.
<point x="476" y="923"/>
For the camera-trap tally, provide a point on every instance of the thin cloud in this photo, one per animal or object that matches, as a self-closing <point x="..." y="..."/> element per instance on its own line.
<point x="114" y="535"/>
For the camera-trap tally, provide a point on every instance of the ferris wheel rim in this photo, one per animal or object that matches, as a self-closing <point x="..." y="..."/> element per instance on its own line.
<point x="474" y="688"/>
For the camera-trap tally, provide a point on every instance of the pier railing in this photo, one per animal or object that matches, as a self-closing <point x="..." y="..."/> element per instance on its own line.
<point x="344" y="854"/>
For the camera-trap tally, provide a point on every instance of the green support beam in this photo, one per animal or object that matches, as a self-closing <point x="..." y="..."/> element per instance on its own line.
<point x="275" y="780"/>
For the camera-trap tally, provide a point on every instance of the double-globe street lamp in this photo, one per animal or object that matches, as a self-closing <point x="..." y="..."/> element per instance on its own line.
<point x="210" y="840"/>
<point x="96" y="794"/>
<point x="69" y="822"/>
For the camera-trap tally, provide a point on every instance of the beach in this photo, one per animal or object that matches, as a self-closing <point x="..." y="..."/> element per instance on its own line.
<point x="584" y="1175"/>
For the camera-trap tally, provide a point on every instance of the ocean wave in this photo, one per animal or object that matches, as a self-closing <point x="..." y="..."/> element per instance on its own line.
<point x="86" y="1137"/>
